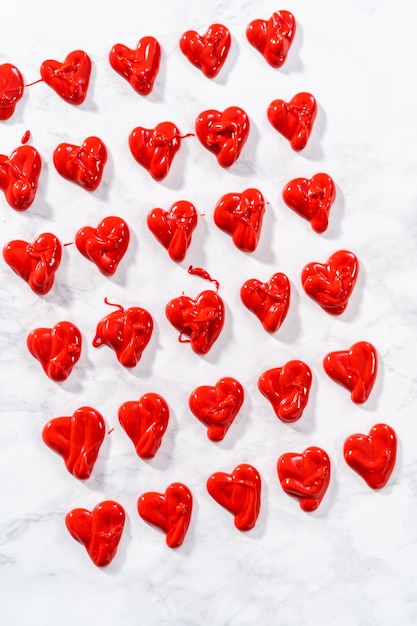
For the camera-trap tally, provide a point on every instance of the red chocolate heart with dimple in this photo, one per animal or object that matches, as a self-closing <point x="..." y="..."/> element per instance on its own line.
<point x="145" y="422"/>
<point x="208" y="52"/>
<point x="99" y="530"/>
<point x="268" y="301"/>
<point x="19" y="174"/>
<point x="240" y="215"/>
<point x="355" y="369"/>
<point x="294" y="119"/>
<point x="11" y="89"/>
<point x="273" y="38"/>
<point x="105" y="245"/>
<point x="223" y="133"/>
<point x="57" y="349"/>
<point x="69" y="79"/>
<point x="83" y="164"/>
<point x="305" y="476"/>
<point x="77" y="439"/>
<point x="174" y="228"/>
<point x="312" y="199"/>
<point x="155" y="148"/>
<point x="287" y="388"/>
<point x="331" y="284"/>
<point x="372" y="456"/>
<point x="139" y="67"/>
<point x="170" y="511"/>
<point x="35" y="262"/>
<point x="217" y="406"/>
<point x="239" y="493"/>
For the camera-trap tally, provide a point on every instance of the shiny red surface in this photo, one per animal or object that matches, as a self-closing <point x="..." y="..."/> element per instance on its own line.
<point x="240" y="215"/>
<point x="355" y="369"/>
<point x="77" y="439"/>
<point x="19" y="174"/>
<point x="57" y="349"/>
<point x="311" y="198"/>
<point x="155" y="148"/>
<point x="11" y="89"/>
<point x="170" y="511"/>
<point x="294" y="119"/>
<point x="273" y="38"/>
<point x="145" y="422"/>
<point x="217" y="406"/>
<point x="223" y="133"/>
<point x="268" y="301"/>
<point x="287" y="388"/>
<point x="69" y="79"/>
<point x="208" y="52"/>
<point x="82" y="164"/>
<point x="372" y="456"/>
<point x="305" y="476"/>
<point x="99" y="530"/>
<point x="35" y="262"/>
<point x="239" y="493"/>
<point x="105" y="245"/>
<point x="140" y="66"/>
<point x="25" y="137"/>
<point x="174" y="228"/>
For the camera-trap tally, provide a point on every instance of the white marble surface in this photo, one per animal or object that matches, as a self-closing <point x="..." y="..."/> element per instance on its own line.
<point x="354" y="561"/>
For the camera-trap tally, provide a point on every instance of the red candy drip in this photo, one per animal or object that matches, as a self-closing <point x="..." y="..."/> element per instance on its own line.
<point x="207" y="52"/>
<point x="11" y="89"/>
<point x="82" y="164"/>
<point x="273" y="38"/>
<point x="57" y="349"/>
<point x="145" y="422"/>
<point x="69" y="79"/>
<point x="216" y="407"/>
<point x="355" y="369"/>
<point x="139" y="67"/>
<point x="155" y="148"/>
<point x="305" y="476"/>
<point x="240" y="215"/>
<point x="199" y="271"/>
<point x="174" y="228"/>
<point x="311" y="199"/>
<point x="294" y="119"/>
<point x="25" y="137"/>
<point x="372" y="456"/>
<point x="223" y="133"/>
<point x="105" y="245"/>
<point x="170" y="511"/>
<point x="19" y="174"/>
<point x="287" y="388"/>
<point x="268" y="301"/>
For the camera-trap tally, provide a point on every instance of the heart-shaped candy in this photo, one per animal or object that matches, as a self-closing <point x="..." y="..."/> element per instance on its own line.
<point x="69" y="79"/>
<point x="311" y="198"/>
<point x="139" y="67"/>
<point x="170" y="511"/>
<point x="35" y="262"/>
<point x="305" y="476"/>
<point x="268" y="301"/>
<point x="99" y="530"/>
<point x="145" y="422"/>
<point x="208" y="52"/>
<point x="294" y="119"/>
<point x="174" y="228"/>
<point x="77" y="439"/>
<point x="239" y="493"/>
<point x="83" y="164"/>
<point x="287" y="388"/>
<point x="19" y="174"/>
<point x="57" y="349"/>
<point x="216" y="407"/>
<point x="11" y="89"/>
<point x="273" y="38"/>
<point x="223" y="133"/>
<point x="105" y="245"/>
<point x="355" y="369"/>
<point x="240" y="215"/>
<point x="155" y="148"/>
<point x="372" y="456"/>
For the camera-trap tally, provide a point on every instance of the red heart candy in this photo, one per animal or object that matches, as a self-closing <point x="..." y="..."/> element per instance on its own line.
<point x="139" y="67"/>
<point x="355" y="369"/>
<point x="331" y="284"/>
<point x="11" y="89"/>
<point x="208" y="52"/>
<point x="287" y="388"/>
<point x="216" y="407"/>
<point x="273" y="38"/>
<point x="99" y="530"/>
<point x="201" y="319"/>
<point x="82" y="164"/>
<point x="170" y="511"/>
<point x="312" y="199"/>
<point x="305" y="476"/>
<point x="19" y="175"/>
<point x="294" y="119"/>
<point x="155" y="148"/>
<point x="77" y="439"/>
<point x="105" y="245"/>
<point x="268" y="301"/>
<point x="174" y="228"/>
<point x="223" y="133"/>
<point x="57" y="349"/>
<point x="35" y="262"/>
<point x="372" y="456"/>
<point x="240" y="215"/>
<point x="145" y="423"/>
<point x="239" y="493"/>
<point x="69" y="79"/>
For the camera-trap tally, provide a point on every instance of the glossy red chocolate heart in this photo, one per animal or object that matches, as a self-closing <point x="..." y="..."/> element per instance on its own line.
<point x="294" y="119"/>
<point x="273" y="38"/>
<point x="155" y="148"/>
<point x="216" y="407"/>
<point x="170" y="511"/>
<point x="208" y="52"/>
<point x="139" y="67"/>
<point x="69" y="79"/>
<point x="223" y="133"/>
<point x="239" y="493"/>
<point x="355" y="369"/>
<point x="331" y="284"/>
<point x="11" y="89"/>
<point x="372" y="456"/>
<point x="105" y="245"/>
<point x="240" y="215"/>
<point x="99" y="530"/>
<point x="35" y="262"/>
<point x="77" y="439"/>
<point x="19" y="174"/>
<point x="57" y="349"/>
<point x="145" y="422"/>
<point x="83" y="164"/>
<point x="287" y="388"/>
<point x="311" y="198"/>
<point x="200" y="320"/>
<point x="174" y="228"/>
<point x="268" y="301"/>
<point x="305" y="476"/>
